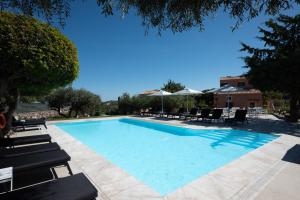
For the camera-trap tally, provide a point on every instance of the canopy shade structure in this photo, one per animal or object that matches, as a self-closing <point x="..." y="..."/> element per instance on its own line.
<point x="186" y="92"/>
<point x="161" y="93"/>
<point x="226" y="89"/>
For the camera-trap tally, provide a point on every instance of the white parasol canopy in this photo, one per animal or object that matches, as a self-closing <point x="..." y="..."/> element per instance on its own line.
<point x="186" y="92"/>
<point x="161" y="93"/>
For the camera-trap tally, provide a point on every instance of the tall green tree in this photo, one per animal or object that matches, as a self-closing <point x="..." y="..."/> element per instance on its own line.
<point x="34" y="59"/>
<point x="277" y="65"/>
<point x="164" y="15"/>
<point x="172" y="86"/>
<point x="125" y="104"/>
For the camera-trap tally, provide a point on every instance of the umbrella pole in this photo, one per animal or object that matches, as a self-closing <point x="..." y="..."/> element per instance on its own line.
<point x="228" y="105"/>
<point x="162" y="104"/>
<point x="187" y="103"/>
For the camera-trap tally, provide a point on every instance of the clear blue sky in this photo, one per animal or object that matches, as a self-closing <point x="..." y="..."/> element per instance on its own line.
<point x="116" y="56"/>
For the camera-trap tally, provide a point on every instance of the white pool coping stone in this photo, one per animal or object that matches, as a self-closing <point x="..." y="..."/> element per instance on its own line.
<point x="243" y="178"/>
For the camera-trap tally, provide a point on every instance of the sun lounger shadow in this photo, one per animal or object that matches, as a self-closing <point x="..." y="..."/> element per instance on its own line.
<point x="293" y="155"/>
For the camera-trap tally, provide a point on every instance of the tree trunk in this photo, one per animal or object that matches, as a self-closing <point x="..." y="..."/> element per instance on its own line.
<point x="294" y="109"/>
<point x="60" y="113"/>
<point x="12" y="103"/>
<point x="70" y="112"/>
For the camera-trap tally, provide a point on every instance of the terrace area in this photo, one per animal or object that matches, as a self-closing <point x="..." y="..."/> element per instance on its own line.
<point x="269" y="172"/>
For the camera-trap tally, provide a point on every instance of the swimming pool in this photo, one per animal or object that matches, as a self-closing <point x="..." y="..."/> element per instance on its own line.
<point x="164" y="157"/>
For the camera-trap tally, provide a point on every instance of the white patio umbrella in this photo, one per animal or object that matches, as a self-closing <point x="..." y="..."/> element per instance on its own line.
<point x="186" y="92"/>
<point x="161" y="93"/>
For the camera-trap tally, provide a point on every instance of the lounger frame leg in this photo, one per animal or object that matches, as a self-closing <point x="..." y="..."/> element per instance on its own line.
<point x="69" y="168"/>
<point x="54" y="173"/>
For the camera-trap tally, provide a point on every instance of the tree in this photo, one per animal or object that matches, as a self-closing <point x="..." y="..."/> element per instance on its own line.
<point x="50" y="10"/>
<point x="277" y="66"/>
<point x="84" y="102"/>
<point x="205" y="100"/>
<point x="172" y="86"/>
<point x="34" y="59"/>
<point x="164" y="15"/>
<point x="59" y="99"/>
<point x="125" y="104"/>
<point x="183" y="15"/>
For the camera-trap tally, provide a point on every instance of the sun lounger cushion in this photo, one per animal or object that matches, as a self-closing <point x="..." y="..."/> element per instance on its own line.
<point x="24" y="140"/>
<point x="21" y="151"/>
<point x="76" y="187"/>
<point x="37" y="160"/>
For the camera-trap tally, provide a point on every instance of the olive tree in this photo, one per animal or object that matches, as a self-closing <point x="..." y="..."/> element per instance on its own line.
<point x="59" y="99"/>
<point x="84" y="102"/>
<point x="34" y="59"/>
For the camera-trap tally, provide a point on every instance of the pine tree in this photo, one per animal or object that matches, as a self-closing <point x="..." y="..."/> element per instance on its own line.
<point x="277" y="65"/>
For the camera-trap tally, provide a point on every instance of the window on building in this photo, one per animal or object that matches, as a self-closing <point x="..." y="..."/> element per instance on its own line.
<point x="252" y="104"/>
<point x="229" y="98"/>
<point x="241" y="84"/>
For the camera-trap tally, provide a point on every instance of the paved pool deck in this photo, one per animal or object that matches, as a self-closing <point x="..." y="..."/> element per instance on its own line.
<point x="269" y="172"/>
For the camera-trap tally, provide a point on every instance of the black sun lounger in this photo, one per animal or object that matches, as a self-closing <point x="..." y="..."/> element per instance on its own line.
<point x="193" y="113"/>
<point x="239" y="116"/>
<point x="21" y="151"/>
<point x="5" y="142"/>
<point x="178" y="113"/>
<point x="28" y="162"/>
<point x="204" y="114"/>
<point x="29" y="123"/>
<point x="216" y="114"/>
<point x="76" y="187"/>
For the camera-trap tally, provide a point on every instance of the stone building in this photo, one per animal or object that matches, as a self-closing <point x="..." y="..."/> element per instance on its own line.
<point x="243" y="96"/>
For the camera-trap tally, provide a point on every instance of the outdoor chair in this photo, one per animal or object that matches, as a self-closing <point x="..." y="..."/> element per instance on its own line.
<point x="156" y="113"/>
<point x="204" y="114"/>
<point x="178" y="113"/>
<point x="145" y="112"/>
<point x="11" y="142"/>
<point x="25" y="150"/>
<point x="152" y="112"/>
<point x="193" y="113"/>
<point x="17" y="124"/>
<point x="239" y="116"/>
<point x="42" y="160"/>
<point x="216" y="114"/>
<point x="76" y="187"/>
<point x="161" y="114"/>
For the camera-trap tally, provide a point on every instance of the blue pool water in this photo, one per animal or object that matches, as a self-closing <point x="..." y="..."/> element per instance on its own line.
<point x="164" y="157"/>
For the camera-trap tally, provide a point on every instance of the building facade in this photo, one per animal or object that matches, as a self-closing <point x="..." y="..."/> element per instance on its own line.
<point x="245" y="95"/>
